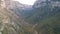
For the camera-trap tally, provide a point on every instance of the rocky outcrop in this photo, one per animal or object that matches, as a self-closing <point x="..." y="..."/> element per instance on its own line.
<point x="40" y="3"/>
<point x="12" y="23"/>
<point x="2" y="4"/>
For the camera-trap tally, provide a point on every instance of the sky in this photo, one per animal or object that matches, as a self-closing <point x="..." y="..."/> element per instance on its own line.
<point x="28" y="2"/>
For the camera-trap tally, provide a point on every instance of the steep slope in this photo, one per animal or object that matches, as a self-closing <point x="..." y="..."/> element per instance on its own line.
<point x="11" y="22"/>
<point x="47" y="16"/>
<point x="38" y="13"/>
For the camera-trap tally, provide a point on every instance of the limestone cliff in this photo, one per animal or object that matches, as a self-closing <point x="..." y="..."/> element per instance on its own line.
<point x="11" y="23"/>
<point x="40" y="3"/>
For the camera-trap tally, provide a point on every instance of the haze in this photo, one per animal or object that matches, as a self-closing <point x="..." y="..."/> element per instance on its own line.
<point x="28" y="2"/>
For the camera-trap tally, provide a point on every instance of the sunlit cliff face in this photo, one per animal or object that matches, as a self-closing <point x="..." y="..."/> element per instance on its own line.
<point x="28" y="2"/>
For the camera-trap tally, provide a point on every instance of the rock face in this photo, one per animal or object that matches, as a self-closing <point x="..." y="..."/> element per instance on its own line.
<point x="6" y="3"/>
<point x="2" y="3"/>
<point x="40" y="3"/>
<point x="11" y="22"/>
<point x="9" y="4"/>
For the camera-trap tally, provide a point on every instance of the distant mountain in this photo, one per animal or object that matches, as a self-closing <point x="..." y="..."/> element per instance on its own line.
<point x="21" y="6"/>
<point x="22" y="9"/>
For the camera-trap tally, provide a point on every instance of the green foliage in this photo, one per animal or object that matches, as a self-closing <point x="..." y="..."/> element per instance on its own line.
<point x="48" y="20"/>
<point x="50" y="24"/>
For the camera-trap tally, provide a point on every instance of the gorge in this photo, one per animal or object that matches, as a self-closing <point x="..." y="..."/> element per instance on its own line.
<point x="43" y="17"/>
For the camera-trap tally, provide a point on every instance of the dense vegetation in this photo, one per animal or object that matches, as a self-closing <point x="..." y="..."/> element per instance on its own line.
<point x="48" y="21"/>
<point x="51" y="23"/>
